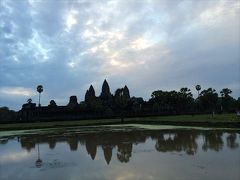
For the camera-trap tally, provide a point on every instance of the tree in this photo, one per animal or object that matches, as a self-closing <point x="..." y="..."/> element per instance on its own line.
<point x="198" y="88"/>
<point x="172" y="102"/>
<point x="227" y="101"/>
<point x="166" y="100"/>
<point x="185" y="100"/>
<point x="186" y="92"/>
<point x="208" y="99"/>
<point x="225" y="92"/>
<point x="39" y="90"/>
<point x="7" y="115"/>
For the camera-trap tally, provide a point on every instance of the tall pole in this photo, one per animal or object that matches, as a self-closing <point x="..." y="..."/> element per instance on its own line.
<point x="198" y="102"/>
<point x="39" y="99"/>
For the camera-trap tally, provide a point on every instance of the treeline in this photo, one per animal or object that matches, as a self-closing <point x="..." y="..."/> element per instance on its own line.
<point x="121" y="104"/>
<point x="182" y="101"/>
<point x="7" y="115"/>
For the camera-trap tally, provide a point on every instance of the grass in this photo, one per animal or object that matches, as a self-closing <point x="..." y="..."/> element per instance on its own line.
<point x="195" y="118"/>
<point x="223" y="120"/>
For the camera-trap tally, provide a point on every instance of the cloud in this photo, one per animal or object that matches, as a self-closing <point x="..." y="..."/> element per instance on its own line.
<point x="15" y="157"/>
<point x="16" y="91"/>
<point x="148" y="45"/>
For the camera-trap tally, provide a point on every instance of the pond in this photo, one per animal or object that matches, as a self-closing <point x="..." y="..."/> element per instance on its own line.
<point x="121" y="152"/>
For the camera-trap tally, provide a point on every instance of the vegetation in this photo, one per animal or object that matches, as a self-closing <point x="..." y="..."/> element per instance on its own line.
<point x="7" y="115"/>
<point x="122" y="105"/>
<point x="39" y="90"/>
<point x="223" y="120"/>
<point x="198" y="88"/>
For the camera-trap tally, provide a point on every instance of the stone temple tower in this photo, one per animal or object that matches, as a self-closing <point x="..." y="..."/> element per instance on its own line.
<point x="106" y="95"/>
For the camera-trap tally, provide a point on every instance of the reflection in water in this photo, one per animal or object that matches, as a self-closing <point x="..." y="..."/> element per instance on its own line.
<point x="119" y="152"/>
<point x="181" y="141"/>
<point x="166" y="141"/>
<point x="38" y="161"/>
<point x="213" y="140"/>
<point x="107" y="150"/>
<point x="28" y="143"/>
<point x="73" y="143"/>
<point x="91" y="146"/>
<point x="231" y="141"/>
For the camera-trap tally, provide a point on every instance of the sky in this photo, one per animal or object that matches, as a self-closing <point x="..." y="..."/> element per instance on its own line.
<point x="145" y="44"/>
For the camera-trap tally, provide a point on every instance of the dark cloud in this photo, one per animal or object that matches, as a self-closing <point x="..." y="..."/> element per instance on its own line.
<point x="148" y="45"/>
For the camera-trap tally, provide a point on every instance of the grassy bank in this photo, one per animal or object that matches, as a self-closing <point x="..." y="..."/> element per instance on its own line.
<point x="223" y="120"/>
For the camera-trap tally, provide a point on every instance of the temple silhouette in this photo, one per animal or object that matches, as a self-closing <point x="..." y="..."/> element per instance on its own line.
<point x="106" y="105"/>
<point x="121" y="104"/>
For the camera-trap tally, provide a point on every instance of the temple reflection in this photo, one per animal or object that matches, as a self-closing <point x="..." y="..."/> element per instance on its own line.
<point x="186" y="141"/>
<point x="107" y="151"/>
<point x="73" y="143"/>
<point x="91" y="146"/>
<point x="52" y="143"/>
<point x="124" y="152"/>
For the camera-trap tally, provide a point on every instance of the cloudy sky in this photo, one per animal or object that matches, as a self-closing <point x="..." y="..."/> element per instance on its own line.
<point x="146" y="44"/>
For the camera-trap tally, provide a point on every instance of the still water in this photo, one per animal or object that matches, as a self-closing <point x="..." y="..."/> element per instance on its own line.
<point x="121" y="152"/>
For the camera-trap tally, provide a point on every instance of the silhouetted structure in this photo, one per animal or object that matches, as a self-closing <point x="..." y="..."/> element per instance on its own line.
<point x="72" y="102"/>
<point x="52" y="104"/>
<point x="121" y="104"/>
<point x="90" y="95"/>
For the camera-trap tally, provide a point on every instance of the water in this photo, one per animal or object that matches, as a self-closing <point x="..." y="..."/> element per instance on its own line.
<point x="121" y="152"/>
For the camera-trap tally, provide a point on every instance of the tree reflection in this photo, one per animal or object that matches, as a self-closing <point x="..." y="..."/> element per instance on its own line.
<point x="179" y="141"/>
<point x="165" y="141"/>
<point x="38" y="162"/>
<point x="212" y="140"/>
<point x="231" y="141"/>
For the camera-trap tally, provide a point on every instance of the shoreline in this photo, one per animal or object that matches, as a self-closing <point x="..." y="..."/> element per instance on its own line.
<point x="222" y="121"/>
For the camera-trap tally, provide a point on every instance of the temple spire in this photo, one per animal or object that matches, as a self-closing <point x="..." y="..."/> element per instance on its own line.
<point x="90" y="94"/>
<point x="105" y="88"/>
<point x="126" y="92"/>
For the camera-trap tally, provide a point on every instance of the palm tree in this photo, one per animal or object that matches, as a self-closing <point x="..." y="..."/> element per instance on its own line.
<point x="198" y="88"/>
<point x="225" y="92"/>
<point x="38" y="162"/>
<point x="39" y="90"/>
